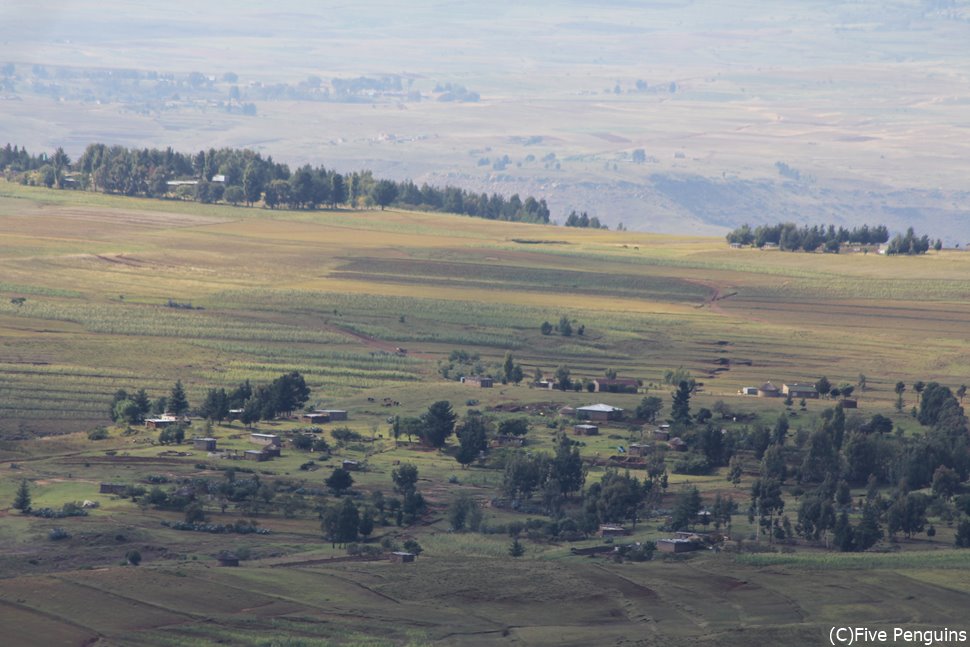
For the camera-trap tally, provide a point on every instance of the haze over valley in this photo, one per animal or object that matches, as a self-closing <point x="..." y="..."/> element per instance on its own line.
<point x="680" y="117"/>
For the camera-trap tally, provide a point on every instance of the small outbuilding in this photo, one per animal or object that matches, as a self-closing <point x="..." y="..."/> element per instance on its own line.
<point x="586" y="430"/>
<point x="799" y="391"/>
<point x="611" y="530"/>
<point x="165" y="421"/>
<point x="351" y="465"/>
<point x="639" y="449"/>
<point x="768" y="390"/>
<point x="227" y="559"/>
<point x="478" y="381"/>
<point x="601" y="412"/>
<point x="401" y="557"/>
<point x="616" y="385"/>
<point x="677" y="545"/>
<point x="204" y="444"/>
<point x="677" y="444"/>
<point x="255" y="455"/>
<point x="661" y="434"/>
<point x="113" y="488"/>
<point x="850" y="404"/>
<point x="316" y="417"/>
<point x="265" y="439"/>
<point x="334" y="414"/>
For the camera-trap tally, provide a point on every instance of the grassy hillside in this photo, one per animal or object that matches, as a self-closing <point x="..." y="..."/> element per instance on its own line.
<point x="334" y="295"/>
<point x="328" y="293"/>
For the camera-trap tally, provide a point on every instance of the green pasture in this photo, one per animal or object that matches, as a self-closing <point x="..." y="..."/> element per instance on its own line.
<point x="334" y="296"/>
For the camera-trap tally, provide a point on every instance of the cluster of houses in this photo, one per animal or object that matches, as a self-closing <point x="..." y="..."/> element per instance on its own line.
<point x="681" y="542"/>
<point x="600" y="385"/>
<point x="795" y="391"/>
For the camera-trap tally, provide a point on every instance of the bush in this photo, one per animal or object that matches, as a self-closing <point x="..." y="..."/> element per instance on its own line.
<point x="133" y="557"/>
<point x="58" y="533"/>
<point x="100" y="433"/>
<point x="413" y="546"/>
<point x="346" y="435"/>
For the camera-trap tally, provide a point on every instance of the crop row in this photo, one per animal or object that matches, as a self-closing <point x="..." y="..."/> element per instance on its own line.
<point x="159" y="321"/>
<point x="859" y="561"/>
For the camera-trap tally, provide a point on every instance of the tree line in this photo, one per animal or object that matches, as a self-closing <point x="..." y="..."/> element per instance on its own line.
<point x="243" y="176"/>
<point x="282" y="396"/>
<point x="789" y="237"/>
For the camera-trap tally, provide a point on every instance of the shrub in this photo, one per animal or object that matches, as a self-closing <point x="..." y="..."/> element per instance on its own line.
<point x="100" y="433"/>
<point x="133" y="557"/>
<point x="346" y="435"/>
<point x="57" y="533"/>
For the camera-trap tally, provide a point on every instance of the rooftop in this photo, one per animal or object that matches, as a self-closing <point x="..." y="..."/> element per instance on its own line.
<point x="600" y="407"/>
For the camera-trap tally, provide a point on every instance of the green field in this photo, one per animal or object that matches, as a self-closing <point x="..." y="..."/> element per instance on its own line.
<point x="334" y="295"/>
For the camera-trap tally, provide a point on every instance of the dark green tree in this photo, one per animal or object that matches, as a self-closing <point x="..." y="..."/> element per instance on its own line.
<point x="962" y="539"/>
<point x="384" y="193"/>
<point x="178" y="404"/>
<point x="562" y="378"/>
<point x="215" y="407"/>
<point x="565" y="328"/>
<point x="946" y="482"/>
<point x="649" y="408"/>
<point x="340" y="481"/>
<point x="348" y="522"/>
<point x="472" y="439"/>
<point x="680" y="407"/>
<point x="513" y="427"/>
<point x="567" y="467"/>
<point x="842" y="534"/>
<point x="366" y="526"/>
<point x="127" y="412"/>
<point x="22" y="498"/>
<point x="766" y="502"/>
<point x="438" y="423"/>
<point x="823" y="386"/>
<point x="516" y="549"/>
<point x="868" y="532"/>
<point x="686" y="508"/>
<point x="405" y="478"/>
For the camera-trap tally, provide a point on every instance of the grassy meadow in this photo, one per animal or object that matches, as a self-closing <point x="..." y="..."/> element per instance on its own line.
<point x="334" y="295"/>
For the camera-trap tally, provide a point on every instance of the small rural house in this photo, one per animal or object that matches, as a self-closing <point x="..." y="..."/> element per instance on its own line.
<point x="603" y="412"/>
<point x="768" y="390"/>
<point x="315" y="417"/>
<point x="677" y="545"/>
<point x="264" y="439"/>
<point x="255" y="455"/>
<point x="798" y="391"/>
<point x="611" y="530"/>
<point x="749" y="390"/>
<point x="677" y="444"/>
<point x="508" y="440"/>
<point x="586" y="430"/>
<point x="227" y="559"/>
<point x="334" y="414"/>
<point x="204" y="444"/>
<point x="165" y="421"/>
<point x="615" y="385"/>
<point x="477" y="381"/>
<point x="113" y="488"/>
<point x="661" y="434"/>
<point x="850" y="404"/>
<point x="350" y="465"/>
<point x="639" y="449"/>
<point x="401" y="557"/>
